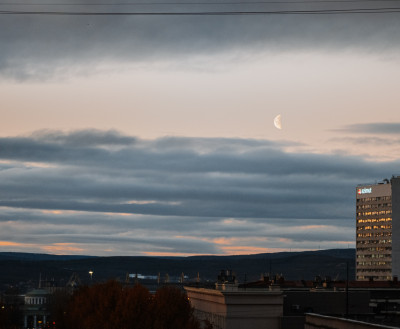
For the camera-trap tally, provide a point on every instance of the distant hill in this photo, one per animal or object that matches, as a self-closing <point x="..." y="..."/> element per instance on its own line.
<point x="23" y="267"/>
<point x="37" y="257"/>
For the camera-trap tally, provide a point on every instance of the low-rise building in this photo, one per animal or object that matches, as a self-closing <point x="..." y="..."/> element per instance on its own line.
<point x="277" y="303"/>
<point x="230" y="306"/>
<point x="35" y="309"/>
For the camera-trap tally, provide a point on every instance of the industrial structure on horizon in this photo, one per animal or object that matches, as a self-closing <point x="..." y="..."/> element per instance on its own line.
<point x="377" y="230"/>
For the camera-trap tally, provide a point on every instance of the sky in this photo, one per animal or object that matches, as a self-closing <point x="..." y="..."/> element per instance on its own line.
<point x="154" y="134"/>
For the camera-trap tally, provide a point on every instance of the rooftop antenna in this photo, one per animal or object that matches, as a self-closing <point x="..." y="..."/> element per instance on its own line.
<point x="40" y="280"/>
<point x="270" y="267"/>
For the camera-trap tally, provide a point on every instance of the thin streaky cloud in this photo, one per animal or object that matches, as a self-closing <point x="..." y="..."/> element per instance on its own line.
<point x="379" y="128"/>
<point x="145" y="190"/>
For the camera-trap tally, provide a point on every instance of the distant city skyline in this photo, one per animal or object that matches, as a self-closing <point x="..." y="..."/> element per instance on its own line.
<point x="155" y="135"/>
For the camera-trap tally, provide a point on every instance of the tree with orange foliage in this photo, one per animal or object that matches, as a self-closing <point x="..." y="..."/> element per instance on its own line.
<point x="172" y="310"/>
<point x="134" y="309"/>
<point x="112" y="306"/>
<point x="94" y="307"/>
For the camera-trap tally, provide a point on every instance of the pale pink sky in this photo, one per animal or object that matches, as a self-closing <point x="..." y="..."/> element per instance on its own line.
<point x="314" y="92"/>
<point x="155" y="136"/>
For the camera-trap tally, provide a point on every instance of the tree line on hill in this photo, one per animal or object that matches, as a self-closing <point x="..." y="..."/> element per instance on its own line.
<point x="25" y="268"/>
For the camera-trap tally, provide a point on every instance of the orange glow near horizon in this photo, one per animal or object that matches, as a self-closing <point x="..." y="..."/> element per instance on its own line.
<point x="228" y="251"/>
<point x="351" y="243"/>
<point x="56" y="248"/>
<point x="53" y="212"/>
<point x="118" y="214"/>
<point x="224" y="241"/>
<point x="62" y="248"/>
<point x="60" y="211"/>
<point x="11" y="244"/>
<point x="248" y="250"/>
<point x="170" y="254"/>
<point x="312" y="227"/>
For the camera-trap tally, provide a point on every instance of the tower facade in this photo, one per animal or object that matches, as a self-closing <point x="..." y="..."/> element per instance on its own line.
<point x="377" y="230"/>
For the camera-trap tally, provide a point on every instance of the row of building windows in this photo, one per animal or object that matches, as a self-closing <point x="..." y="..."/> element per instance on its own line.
<point x="367" y="256"/>
<point x="374" y="220"/>
<point x="375" y="227"/>
<point x="383" y="241"/>
<point x="374" y="249"/>
<point x="376" y="235"/>
<point x="374" y="213"/>
<point x="372" y="206"/>
<point x="374" y="263"/>
<point x="378" y="278"/>
<point x="380" y="234"/>
<point x="378" y="198"/>
<point x="364" y="270"/>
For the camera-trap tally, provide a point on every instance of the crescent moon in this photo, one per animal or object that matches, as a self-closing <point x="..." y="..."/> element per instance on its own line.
<point x="278" y="122"/>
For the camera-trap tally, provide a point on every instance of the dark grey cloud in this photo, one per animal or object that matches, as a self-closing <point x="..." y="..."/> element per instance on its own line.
<point x="137" y="234"/>
<point x="378" y="128"/>
<point x="89" y="137"/>
<point x="323" y="234"/>
<point x="146" y="177"/>
<point x="85" y="185"/>
<point x="41" y="46"/>
<point x="222" y="156"/>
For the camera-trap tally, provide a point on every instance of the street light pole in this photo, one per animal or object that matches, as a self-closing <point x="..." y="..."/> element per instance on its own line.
<point x="347" y="289"/>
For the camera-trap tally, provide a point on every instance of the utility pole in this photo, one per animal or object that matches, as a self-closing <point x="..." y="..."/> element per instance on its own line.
<point x="347" y="289"/>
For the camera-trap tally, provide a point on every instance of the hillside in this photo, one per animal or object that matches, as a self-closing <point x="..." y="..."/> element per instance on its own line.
<point x="23" y="267"/>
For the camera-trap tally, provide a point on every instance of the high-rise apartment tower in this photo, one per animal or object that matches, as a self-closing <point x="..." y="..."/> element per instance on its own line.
<point x="378" y="230"/>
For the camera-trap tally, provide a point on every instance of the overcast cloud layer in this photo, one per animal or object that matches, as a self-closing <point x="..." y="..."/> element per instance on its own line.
<point x="130" y="191"/>
<point x="101" y="192"/>
<point x="43" y="45"/>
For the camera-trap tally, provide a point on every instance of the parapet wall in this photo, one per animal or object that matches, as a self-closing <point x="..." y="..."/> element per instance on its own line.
<point x="316" y="321"/>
